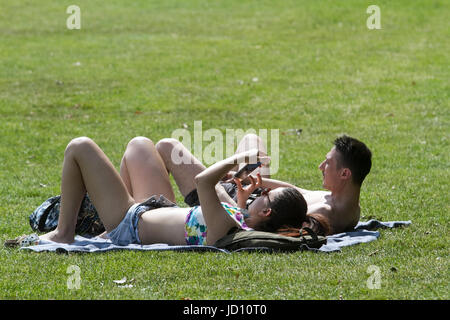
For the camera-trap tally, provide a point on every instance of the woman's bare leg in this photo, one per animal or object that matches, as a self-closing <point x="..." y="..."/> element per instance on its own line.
<point x="141" y="168"/>
<point x="184" y="172"/>
<point x="86" y="168"/>
<point x="253" y="141"/>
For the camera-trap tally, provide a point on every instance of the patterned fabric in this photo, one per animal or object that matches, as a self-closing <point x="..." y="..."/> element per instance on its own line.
<point x="237" y="214"/>
<point x="45" y="217"/>
<point x="195" y="227"/>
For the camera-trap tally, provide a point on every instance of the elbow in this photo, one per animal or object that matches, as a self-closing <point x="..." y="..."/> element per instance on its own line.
<point x="198" y="179"/>
<point x="202" y="180"/>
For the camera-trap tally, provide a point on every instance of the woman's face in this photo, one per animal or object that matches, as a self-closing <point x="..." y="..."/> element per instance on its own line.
<point x="259" y="209"/>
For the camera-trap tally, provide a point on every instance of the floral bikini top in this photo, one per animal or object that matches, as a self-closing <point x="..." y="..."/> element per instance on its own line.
<point x="195" y="226"/>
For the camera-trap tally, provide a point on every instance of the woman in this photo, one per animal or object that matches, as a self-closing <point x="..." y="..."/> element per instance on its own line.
<point x="129" y="219"/>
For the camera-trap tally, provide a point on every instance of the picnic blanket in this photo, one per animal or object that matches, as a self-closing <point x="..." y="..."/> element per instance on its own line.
<point x="364" y="232"/>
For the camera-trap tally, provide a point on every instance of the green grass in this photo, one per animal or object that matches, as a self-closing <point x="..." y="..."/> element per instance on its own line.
<point x="148" y="67"/>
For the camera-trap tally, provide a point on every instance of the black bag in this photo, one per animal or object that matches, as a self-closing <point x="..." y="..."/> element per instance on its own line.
<point x="45" y="217"/>
<point x="267" y="241"/>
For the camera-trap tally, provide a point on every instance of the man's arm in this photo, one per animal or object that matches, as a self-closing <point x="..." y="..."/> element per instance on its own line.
<point x="273" y="184"/>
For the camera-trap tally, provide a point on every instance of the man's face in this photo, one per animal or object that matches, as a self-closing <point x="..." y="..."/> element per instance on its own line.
<point x="331" y="173"/>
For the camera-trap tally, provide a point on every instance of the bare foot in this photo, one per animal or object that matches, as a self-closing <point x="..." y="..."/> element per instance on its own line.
<point x="55" y="236"/>
<point x="103" y="235"/>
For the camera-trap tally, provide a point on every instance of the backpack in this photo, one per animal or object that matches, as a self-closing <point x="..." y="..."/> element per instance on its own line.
<point x="45" y="217"/>
<point x="242" y="240"/>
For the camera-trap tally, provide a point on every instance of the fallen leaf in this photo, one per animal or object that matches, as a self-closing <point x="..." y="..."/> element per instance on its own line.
<point x="297" y="132"/>
<point x="121" y="281"/>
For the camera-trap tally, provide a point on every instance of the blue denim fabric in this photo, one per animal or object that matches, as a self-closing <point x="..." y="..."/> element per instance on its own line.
<point x="127" y="231"/>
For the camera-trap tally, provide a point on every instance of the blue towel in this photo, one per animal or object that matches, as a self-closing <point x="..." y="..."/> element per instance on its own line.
<point x="364" y="232"/>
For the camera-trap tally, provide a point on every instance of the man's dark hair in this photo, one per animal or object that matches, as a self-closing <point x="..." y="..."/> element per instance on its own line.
<point x="355" y="155"/>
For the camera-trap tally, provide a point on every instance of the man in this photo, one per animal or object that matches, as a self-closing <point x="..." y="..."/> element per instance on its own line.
<point x="329" y="212"/>
<point x="344" y="169"/>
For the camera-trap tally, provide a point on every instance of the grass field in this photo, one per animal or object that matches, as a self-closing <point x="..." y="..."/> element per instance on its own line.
<point x="150" y="67"/>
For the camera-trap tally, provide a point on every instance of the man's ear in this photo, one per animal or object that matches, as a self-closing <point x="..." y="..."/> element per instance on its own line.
<point x="346" y="173"/>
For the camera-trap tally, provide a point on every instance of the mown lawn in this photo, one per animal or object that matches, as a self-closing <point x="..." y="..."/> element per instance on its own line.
<point x="150" y="67"/>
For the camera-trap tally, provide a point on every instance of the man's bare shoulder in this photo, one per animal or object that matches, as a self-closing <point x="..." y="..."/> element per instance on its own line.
<point x="318" y="200"/>
<point x="338" y="217"/>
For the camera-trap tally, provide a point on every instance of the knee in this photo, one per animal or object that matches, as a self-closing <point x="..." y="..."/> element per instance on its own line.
<point x="252" y="137"/>
<point x="140" y="143"/>
<point x="165" y="147"/>
<point x="251" y="141"/>
<point x="138" y="148"/>
<point x="79" y="145"/>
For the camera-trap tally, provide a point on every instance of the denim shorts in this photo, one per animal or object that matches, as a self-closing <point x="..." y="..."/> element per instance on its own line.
<point x="127" y="230"/>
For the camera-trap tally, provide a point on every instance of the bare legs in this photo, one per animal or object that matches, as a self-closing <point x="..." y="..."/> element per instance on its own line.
<point x="252" y="141"/>
<point x="185" y="173"/>
<point x="143" y="171"/>
<point x="86" y="168"/>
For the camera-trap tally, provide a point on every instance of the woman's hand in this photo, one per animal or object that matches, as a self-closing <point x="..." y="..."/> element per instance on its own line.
<point x="244" y="192"/>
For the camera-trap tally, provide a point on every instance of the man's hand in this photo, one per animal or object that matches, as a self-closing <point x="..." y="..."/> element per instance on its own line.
<point x="244" y="192"/>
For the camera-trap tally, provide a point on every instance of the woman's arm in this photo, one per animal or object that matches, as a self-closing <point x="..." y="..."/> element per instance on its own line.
<point x="212" y="175"/>
<point x="224" y="196"/>
<point x="218" y="221"/>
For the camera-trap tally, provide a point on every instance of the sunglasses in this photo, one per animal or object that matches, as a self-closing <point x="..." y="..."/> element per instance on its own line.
<point x="265" y="192"/>
<point x="254" y="196"/>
